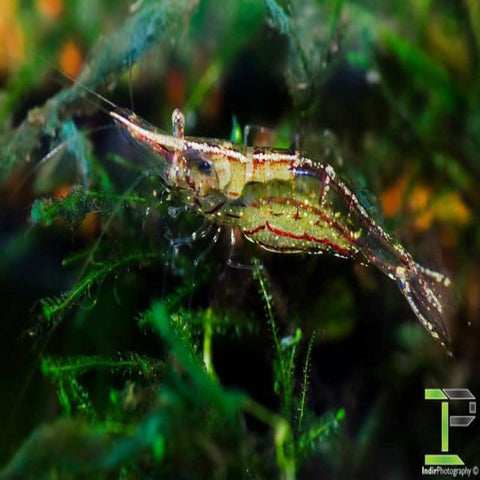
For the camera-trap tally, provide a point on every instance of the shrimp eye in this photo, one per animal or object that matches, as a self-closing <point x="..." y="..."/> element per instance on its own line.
<point x="196" y="159"/>
<point x="205" y="166"/>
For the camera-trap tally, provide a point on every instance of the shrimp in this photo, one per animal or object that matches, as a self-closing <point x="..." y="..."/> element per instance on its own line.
<point x="285" y="202"/>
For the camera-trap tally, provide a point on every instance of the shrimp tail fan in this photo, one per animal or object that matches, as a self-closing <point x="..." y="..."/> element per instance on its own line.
<point x="429" y="295"/>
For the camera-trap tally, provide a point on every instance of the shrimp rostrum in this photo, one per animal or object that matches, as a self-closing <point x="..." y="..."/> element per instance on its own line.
<point x="284" y="202"/>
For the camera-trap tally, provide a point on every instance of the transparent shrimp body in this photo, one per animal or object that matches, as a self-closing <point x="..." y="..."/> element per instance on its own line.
<point x="287" y="203"/>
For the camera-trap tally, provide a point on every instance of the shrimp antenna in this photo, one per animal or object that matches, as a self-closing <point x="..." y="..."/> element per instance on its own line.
<point x="75" y="82"/>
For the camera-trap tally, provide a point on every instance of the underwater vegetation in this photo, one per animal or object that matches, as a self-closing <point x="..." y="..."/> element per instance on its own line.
<point x="129" y="349"/>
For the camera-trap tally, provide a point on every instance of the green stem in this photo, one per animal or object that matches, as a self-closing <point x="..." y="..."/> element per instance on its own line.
<point x="282" y="435"/>
<point x="207" y="343"/>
